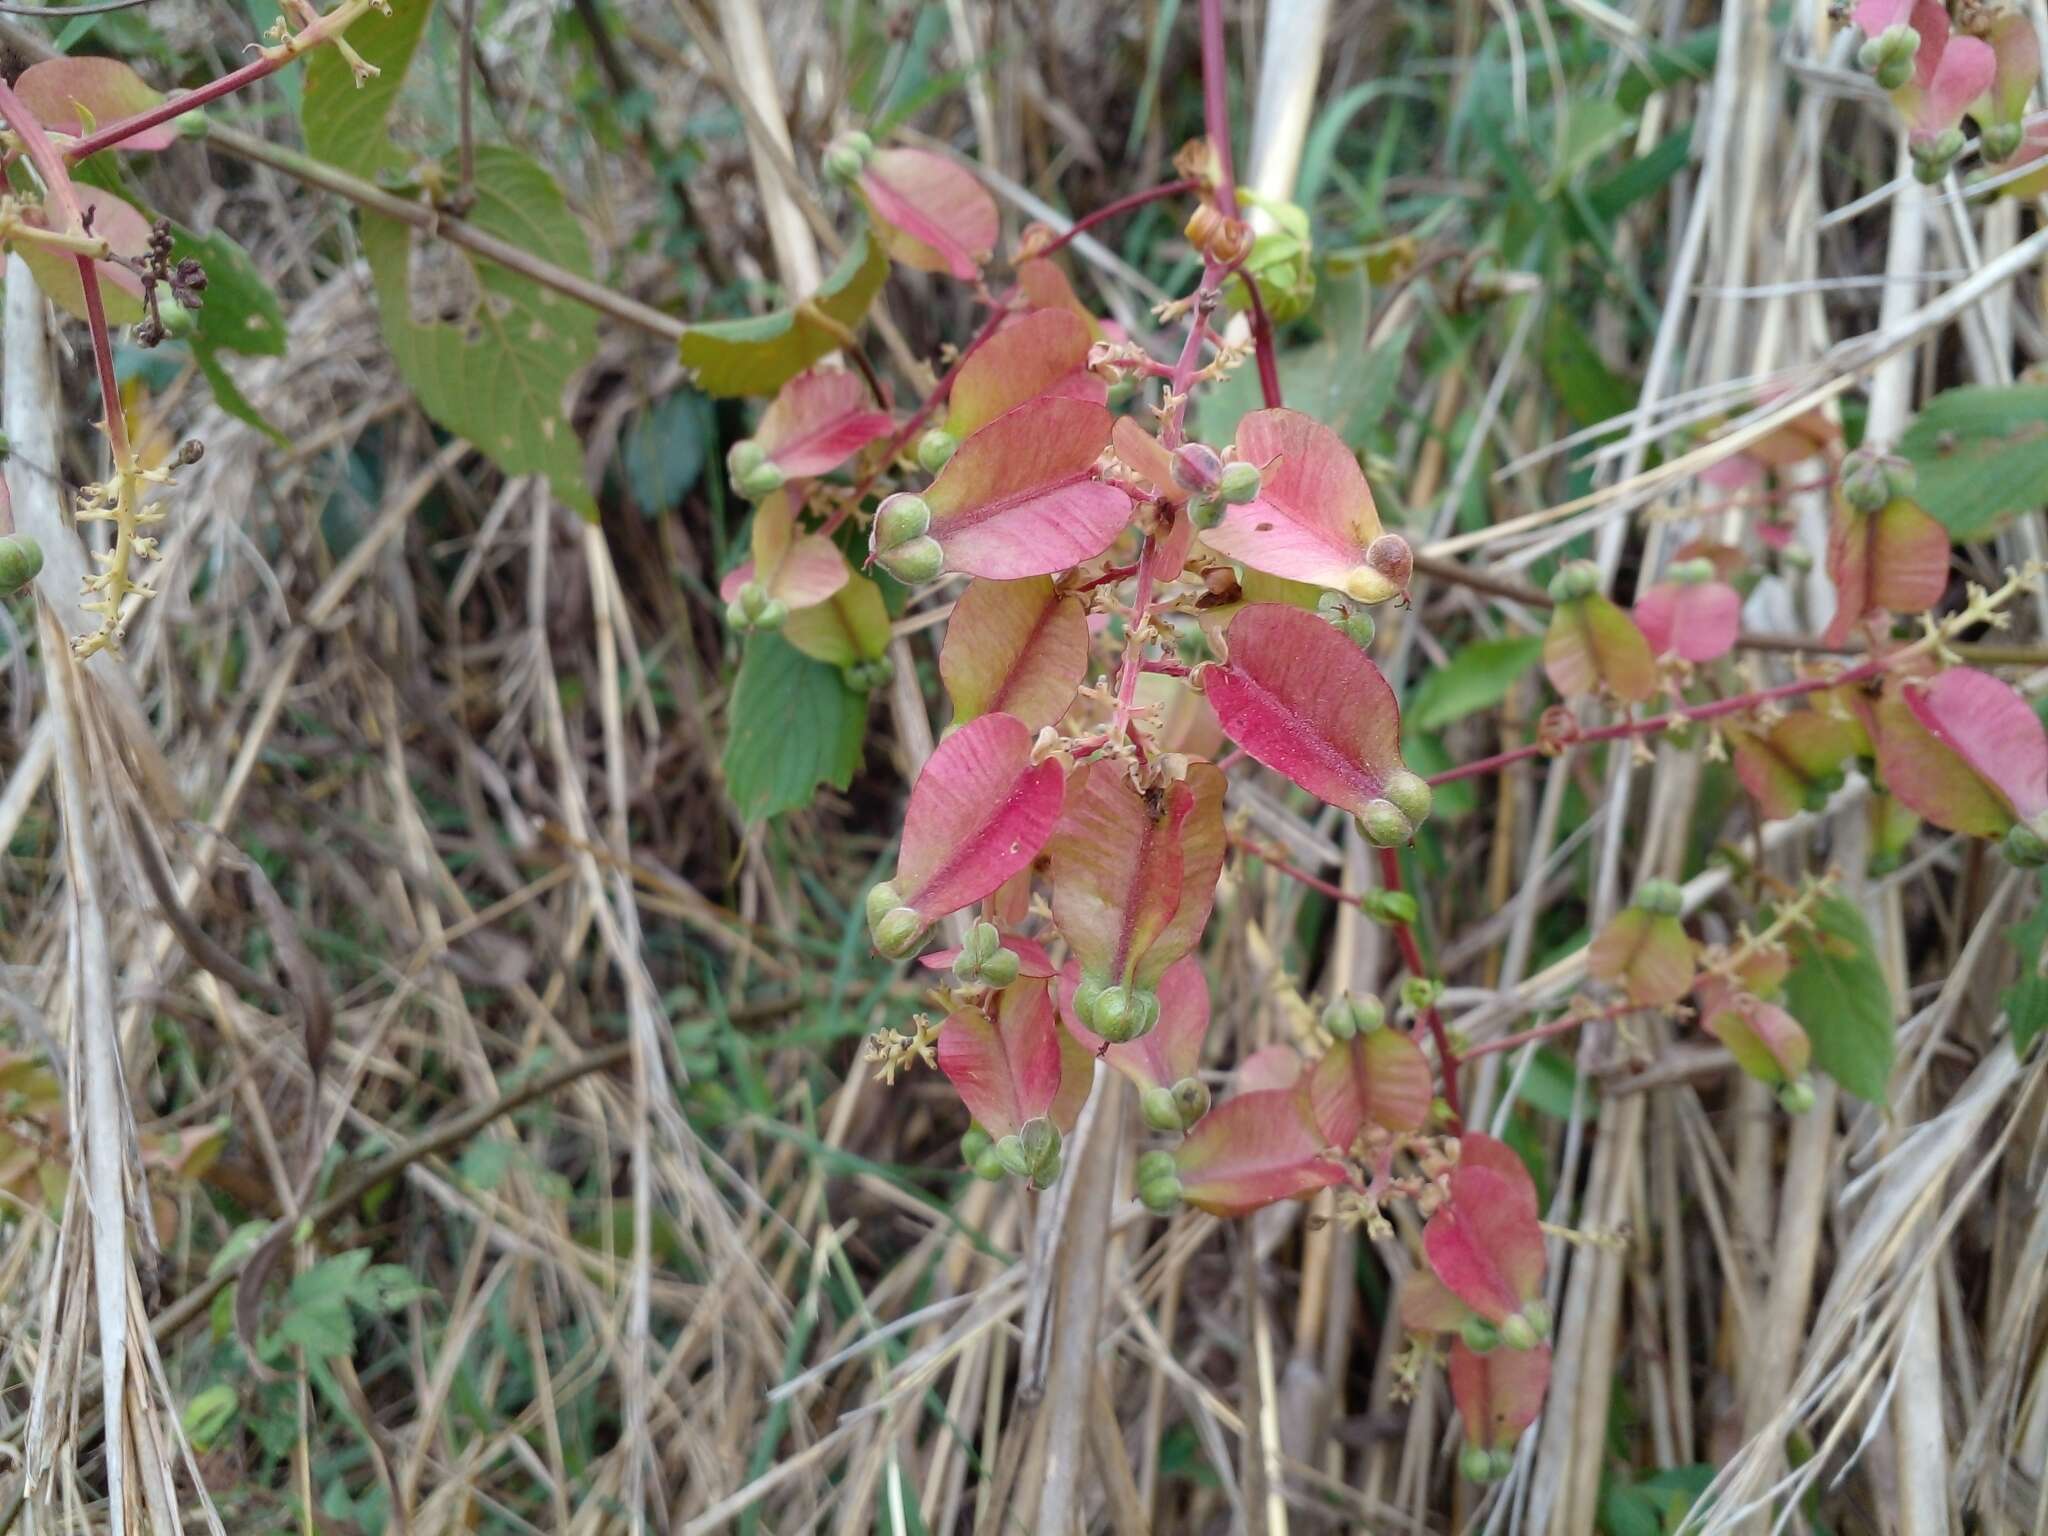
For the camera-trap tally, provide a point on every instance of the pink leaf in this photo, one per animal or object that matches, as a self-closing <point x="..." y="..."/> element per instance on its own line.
<point x="1131" y="885"/>
<point x="1378" y="1078"/>
<point x="1314" y="519"/>
<point x="819" y="420"/>
<point x="1269" y="1067"/>
<point x="56" y="272"/>
<point x="1992" y="729"/>
<point x="1931" y="777"/>
<point x="1429" y="1306"/>
<point x="1252" y="1150"/>
<point x="799" y="570"/>
<point x="1647" y="954"/>
<point x="1146" y="457"/>
<point x="1894" y="560"/>
<point x="980" y="811"/>
<point x="1006" y="1065"/>
<point x="1765" y="1040"/>
<point x="55" y="89"/>
<point x="1877" y="16"/>
<point x="1020" y="497"/>
<point x="1046" y="287"/>
<point x="935" y="215"/>
<point x="1043" y="352"/>
<point x="1172" y="1050"/>
<point x="1591" y="643"/>
<point x="1946" y="79"/>
<point x="1302" y="698"/>
<point x="1484" y="1244"/>
<point x="1498" y="1393"/>
<point x="1695" y="623"/>
<point x="1015" y="647"/>
<point x="1476" y="1149"/>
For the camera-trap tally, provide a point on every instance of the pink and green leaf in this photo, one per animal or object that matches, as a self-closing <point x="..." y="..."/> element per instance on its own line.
<point x="1314" y="517"/>
<point x="1949" y="73"/>
<point x="1300" y="697"/>
<point x="1992" y="728"/>
<point x="934" y="214"/>
<point x="1252" y="1150"/>
<point x="819" y="420"/>
<point x="1484" y="1243"/>
<point x="1021" y="497"/>
<point x="1168" y="1052"/>
<point x="74" y="96"/>
<point x="1785" y="769"/>
<point x="56" y="272"/>
<point x="1041" y="352"/>
<point x="797" y="569"/>
<point x="1647" y="954"/>
<point x="1765" y="1040"/>
<point x="1268" y="1068"/>
<point x="1377" y="1078"/>
<point x="1005" y="1063"/>
<point x="1893" y="561"/>
<point x="1500" y="1393"/>
<point x="849" y="626"/>
<point x="1429" y="1306"/>
<point x="1476" y="1149"/>
<point x="1697" y="622"/>
<point x="1931" y="777"/>
<point x="1015" y="647"/>
<point x="1045" y="286"/>
<point x="2017" y="50"/>
<point x="979" y="812"/>
<point x="1592" y="644"/>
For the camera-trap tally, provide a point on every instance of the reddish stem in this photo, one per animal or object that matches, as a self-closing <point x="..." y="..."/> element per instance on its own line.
<point x="1109" y="211"/>
<point x="1110" y="575"/>
<point x="1432" y="1020"/>
<point x="1216" y="105"/>
<point x="1134" y="645"/>
<point x="1165" y="668"/>
<point x="1266" y="854"/>
<point x="1557" y="1026"/>
<point x="103" y="362"/>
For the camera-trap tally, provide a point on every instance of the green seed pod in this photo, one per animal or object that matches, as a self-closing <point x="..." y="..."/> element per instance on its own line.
<point x="1041" y="1140"/>
<point x="1014" y="1159"/>
<point x="1691" y="573"/>
<point x="1576" y="579"/>
<point x="1157" y="1107"/>
<point x="1931" y="159"/>
<point x="1410" y="794"/>
<point x="1517" y="1334"/>
<point x="2023" y="847"/>
<point x="910" y="563"/>
<point x="20" y="558"/>
<point x="1661" y="898"/>
<point x="848" y="155"/>
<point x="1500" y="1462"/>
<point x="1205" y="512"/>
<point x="1538" y="1315"/>
<point x="1476" y="1462"/>
<point x="882" y="899"/>
<point x="899" y="519"/>
<point x="988" y="1165"/>
<point x="743" y="458"/>
<point x="1796" y="1096"/>
<point x="1240" y="484"/>
<point x="1339" y="1020"/>
<point x="983" y="940"/>
<point x="974" y="1143"/>
<point x="1480" y="1336"/>
<point x="1383" y="824"/>
<point x="1419" y="993"/>
<point x="1160" y="1195"/>
<point x="1191" y="1097"/>
<point x="1086" y="996"/>
<point x="1048" y="1173"/>
<point x="2001" y="141"/>
<point x="760" y="482"/>
<point x="772" y="613"/>
<point x="1197" y="468"/>
<point x="1864" y="485"/>
<point x="1368" y="1012"/>
<point x="1361" y="629"/>
<point x="1392" y="907"/>
<point x="1900" y="477"/>
<point x="737" y="618"/>
<point x="935" y="449"/>
<point x="898" y="933"/>
<point x="1123" y="1014"/>
<point x="1155" y="1165"/>
<point x="1000" y="969"/>
<point x="1120" y="392"/>
<point x="1890" y="56"/>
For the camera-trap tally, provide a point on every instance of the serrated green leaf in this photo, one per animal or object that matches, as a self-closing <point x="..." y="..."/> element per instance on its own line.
<point x="1477" y="678"/>
<point x="344" y="122"/>
<point x="1981" y="453"/>
<point x="499" y="374"/>
<point x="795" y="725"/>
<point x="1837" y="991"/>
<point x="758" y="355"/>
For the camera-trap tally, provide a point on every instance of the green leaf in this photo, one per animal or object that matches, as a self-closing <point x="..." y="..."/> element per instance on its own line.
<point x="241" y="312"/>
<point x="1477" y="678"/>
<point x="497" y="374"/>
<point x="344" y="122"/>
<point x="2026" y="1000"/>
<point x="795" y="725"/>
<point x="207" y="1417"/>
<point x="664" y="449"/>
<point x="227" y="394"/>
<point x="1982" y="454"/>
<point x="758" y="355"/>
<point x="1837" y="991"/>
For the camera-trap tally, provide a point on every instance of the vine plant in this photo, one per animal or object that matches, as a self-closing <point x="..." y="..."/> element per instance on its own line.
<point x="1134" y="598"/>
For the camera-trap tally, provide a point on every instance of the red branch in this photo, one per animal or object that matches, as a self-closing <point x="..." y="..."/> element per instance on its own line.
<point x="1109" y="211"/>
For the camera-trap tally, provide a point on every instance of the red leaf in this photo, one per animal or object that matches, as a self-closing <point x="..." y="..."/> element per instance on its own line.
<point x="1931" y="777"/>
<point x="980" y="811"/>
<point x="1020" y="497"/>
<point x="1894" y="560"/>
<point x="1015" y="647"/>
<point x="1252" y="1150"/>
<point x="1046" y="286"/>
<point x="1484" y="1244"/>
<point x="1591" y="643"/>
<point x="1379" y="1077"/>
<point x="1314" y="518"/>
<point x="1498" y="1393"/>
<point x="107" y="89"/>
<point x="1131" y="888"/>
<point x="1695" y="623"/>
<point x="1005" y="1066"/>
<point x="1992" y="729"/>
<point x="819" y="420"/>
<point x="1476" y="1149"/>
<point x="1269" y="1067"/>
<point x="1303" y="699"/>
<point x="935" y="215"/>
<point x="1172" y="1049"/>
<point x="1647" y="953"/>
<point x="1043" y="352"/>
